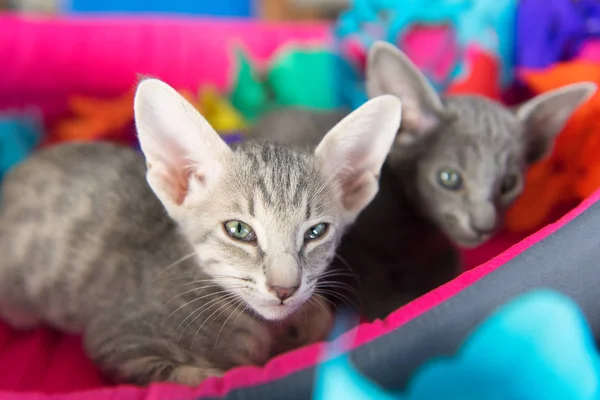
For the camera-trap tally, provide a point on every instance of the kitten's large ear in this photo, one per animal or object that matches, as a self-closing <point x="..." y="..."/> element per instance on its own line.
<point x="354" y="151"/>
<point x="183" y="152"/>
<point x="389" y="71"/>
<point x="546" y="115"/>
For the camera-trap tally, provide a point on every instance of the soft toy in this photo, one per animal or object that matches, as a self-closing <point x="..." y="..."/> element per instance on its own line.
<point x="295" y="76"/>
<point x="478" y="30"/>
<point x="536" y="347"/>
<point x="572" y="172"/>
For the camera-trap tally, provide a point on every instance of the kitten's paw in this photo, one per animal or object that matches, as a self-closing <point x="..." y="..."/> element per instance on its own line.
<point x="193" y="376"/>
<point x="310" y="325"/>
<point x="19" y="319"/>
<point x="253" y="345"/>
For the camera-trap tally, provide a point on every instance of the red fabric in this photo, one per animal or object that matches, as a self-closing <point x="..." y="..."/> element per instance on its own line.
<point x="47" y="362"/>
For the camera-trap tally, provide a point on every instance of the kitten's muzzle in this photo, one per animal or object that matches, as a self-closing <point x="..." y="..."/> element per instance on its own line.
<point x="283" y="293"/>
<point x="483" y="219"/>
<point x="484" y="229"/>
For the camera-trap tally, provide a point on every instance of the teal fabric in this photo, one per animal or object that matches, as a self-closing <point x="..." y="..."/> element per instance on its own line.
<point x="19" y="135"/>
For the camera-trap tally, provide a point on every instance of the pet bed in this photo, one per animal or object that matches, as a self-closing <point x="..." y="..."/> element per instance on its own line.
<point x="95" y="56"/>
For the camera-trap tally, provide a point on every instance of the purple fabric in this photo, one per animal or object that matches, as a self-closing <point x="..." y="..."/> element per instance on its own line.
<point x="549" y="31"/>
<point x="232" y="137"/>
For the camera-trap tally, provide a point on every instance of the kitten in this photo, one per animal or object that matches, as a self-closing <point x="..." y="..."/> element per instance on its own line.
<point x="457" y="163"/>
<point x="176" y="277"/>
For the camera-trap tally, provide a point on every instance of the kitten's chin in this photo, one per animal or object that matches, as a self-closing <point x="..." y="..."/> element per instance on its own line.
<point x="470" y="241"/>
<point x="275" y="312"/>
<point x="460" y="235"/>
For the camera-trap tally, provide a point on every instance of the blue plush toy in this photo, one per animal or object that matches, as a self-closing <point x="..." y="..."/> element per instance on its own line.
<point x="537" y="347"/>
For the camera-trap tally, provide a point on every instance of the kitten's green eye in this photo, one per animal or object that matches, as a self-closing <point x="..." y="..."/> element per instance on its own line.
<point x="239" y="230"/>
<point x="508" y="183"/>
<point x="450" y="179"/>
<point x="315" y="232"/>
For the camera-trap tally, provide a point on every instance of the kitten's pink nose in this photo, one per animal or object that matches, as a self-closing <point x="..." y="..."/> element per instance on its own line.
<point x="283" y="292"/>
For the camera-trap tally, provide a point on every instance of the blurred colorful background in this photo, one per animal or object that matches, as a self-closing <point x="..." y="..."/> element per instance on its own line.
<point x="68" y="69"/>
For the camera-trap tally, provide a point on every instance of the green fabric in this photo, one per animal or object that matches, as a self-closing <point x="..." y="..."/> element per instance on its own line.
<point x="296" y="77"/>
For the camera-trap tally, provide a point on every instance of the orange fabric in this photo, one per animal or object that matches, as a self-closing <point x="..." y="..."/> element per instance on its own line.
<point x="111" y="119"/>
<point x="95" y="119"/>
<point x="572" y="172"/>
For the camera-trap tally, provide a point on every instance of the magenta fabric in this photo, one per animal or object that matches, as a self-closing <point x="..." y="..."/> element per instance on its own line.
<point x="53" y="58"/>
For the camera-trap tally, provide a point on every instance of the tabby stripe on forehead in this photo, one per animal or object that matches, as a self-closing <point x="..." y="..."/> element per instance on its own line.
<point x="266" y="154"/>
<point x="255" y="164"/>
<point x="251" y="205"/>
<point x="266" y="195"/>
<point x="300" y="192"/>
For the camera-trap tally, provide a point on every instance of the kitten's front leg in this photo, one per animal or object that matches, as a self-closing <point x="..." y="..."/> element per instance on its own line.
<point x="134" y="354"/>
<point x="147" y="369"/>
<point x="311" y="324"/>
<point x="248" y="342"/>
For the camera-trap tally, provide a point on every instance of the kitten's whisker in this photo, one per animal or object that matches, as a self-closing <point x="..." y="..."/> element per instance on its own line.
<point x="343" y="261"/>
<point x="337" y="274"/>
<point x="225" y="289"/>
<point x="339" y="296"/>
<point x="192" y="301"/>
<point x="189" y="291"/>
<point x="239" y="302"/>
<point x="338" y="271"/>
<point x="182" y="259"/>
<point x="229" y="302"/>
<point x="244" y="308"/>
<point x="222" y="281"/>
<point x="203" y="309"/>
<point x="225" y="276"/>
<point x="318" y="305"/>
<point x="295" y="317"/>
<point x="335" y="307"/>
<point x="200" y="281"/>
<point x="225" y="297"/>
<point x="338" y="285"/>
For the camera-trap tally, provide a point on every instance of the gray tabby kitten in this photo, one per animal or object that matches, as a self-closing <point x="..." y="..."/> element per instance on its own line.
<point x="457" y="163"/>
<point x="178" y="278"/>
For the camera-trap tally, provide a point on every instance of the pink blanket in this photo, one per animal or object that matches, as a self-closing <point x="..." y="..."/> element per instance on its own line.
<point x="51" y="59"/>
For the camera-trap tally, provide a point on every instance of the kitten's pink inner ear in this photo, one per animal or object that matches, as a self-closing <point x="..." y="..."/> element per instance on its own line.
<point x="175" y="183"/>
<point x="354" y="189"/>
